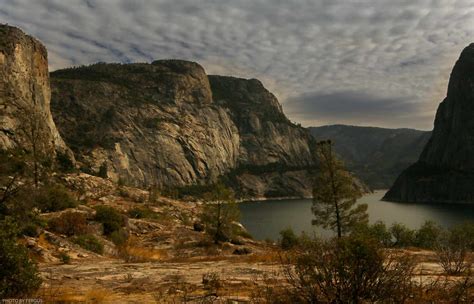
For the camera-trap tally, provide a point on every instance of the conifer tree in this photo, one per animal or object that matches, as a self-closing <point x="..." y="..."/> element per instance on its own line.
<point x="220" y="211"/>
<point x="335" y="194"/>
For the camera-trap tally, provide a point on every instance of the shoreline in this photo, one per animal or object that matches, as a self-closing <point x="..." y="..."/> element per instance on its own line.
<point x="281" y="198"/>
<point x="278" y="198"/>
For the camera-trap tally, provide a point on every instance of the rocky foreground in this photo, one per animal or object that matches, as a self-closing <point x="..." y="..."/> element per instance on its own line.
<point x="167" y="259"/>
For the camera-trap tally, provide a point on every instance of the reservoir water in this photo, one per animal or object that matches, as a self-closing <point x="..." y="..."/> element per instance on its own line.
<point x="265" y="219"/>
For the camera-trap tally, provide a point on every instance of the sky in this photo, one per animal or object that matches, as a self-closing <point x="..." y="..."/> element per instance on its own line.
<point x="379" y="63"/>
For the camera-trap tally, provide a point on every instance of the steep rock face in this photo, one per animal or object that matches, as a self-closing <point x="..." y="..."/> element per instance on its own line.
<point x="275" y="154"/>
<point x="376" y="155"/>
<point x="267" y="136"/>
<point x="445" y="170"/>
<point x="25" y="117"/>
<point x="145" y="124"/>
<point x="165" y="124"/>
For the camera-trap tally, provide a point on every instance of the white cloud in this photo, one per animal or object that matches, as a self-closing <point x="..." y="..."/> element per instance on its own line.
<point x="387" y="49"/>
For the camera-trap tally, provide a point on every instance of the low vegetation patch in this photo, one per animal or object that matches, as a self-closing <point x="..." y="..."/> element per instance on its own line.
<point x="143" y="213"/>
<point x="89" y="242"/>
<point x="111" y="219"/>
<point x="69" y="224"/>
<point x="18" y="274"/>
<point x="132" y="251"/>
<point x="52" y="198"/>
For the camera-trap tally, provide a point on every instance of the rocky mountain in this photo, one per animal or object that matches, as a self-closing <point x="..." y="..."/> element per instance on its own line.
<point x="168" y="124"/>
<point x="25" y="117"/>
<point x="376" y="155"/>
<point x="445" y="169"/>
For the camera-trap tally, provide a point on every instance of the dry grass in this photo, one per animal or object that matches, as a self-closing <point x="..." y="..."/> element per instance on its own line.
<point x="63" y="294"/>
<point x="43" y="242"/>
<point x="131" y="251"/>
<point x="274" y="256"/>
<point x="142" y="254"/>
<point x="54" y="294"/>
<point x="99" y="295"/>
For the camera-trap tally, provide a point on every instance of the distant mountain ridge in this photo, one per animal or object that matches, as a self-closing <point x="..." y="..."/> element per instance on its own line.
<point x="376" y="155"/>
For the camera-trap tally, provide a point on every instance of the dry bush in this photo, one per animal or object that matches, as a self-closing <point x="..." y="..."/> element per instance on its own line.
<point x="446" y="289"/>
<point x="177" y="291"/>
<point x="347" y="271"/>
<point x="58" y="294"/>
<point x="132" y="251"/>
<point x="270" y="290"/>
<point x="69" y="223"/>
<point x="98" y="295"/>
<point x="212" y="283"/>
<point x="452" y="259"/>
<point x="89" y="242"/>
<point x="268" y="256"/>
<point x="452" y="251"/>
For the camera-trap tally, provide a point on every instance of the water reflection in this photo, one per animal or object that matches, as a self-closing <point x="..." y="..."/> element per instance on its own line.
<point x="265" y="220"/>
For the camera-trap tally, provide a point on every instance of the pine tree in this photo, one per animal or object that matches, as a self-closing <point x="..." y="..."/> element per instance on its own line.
<point x="335" y="194"/>
<point x="220" y="212"/>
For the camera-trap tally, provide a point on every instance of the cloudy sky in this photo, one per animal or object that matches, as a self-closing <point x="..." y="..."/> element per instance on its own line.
<point x="361" y="62"/>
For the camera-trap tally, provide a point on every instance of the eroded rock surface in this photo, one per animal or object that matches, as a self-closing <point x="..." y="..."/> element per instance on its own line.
<point x="169" y="124"/>
<point x="25" y="117"/>
<point x="147" y="124"/>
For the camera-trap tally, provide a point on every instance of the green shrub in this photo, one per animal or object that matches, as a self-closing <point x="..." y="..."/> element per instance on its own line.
<point x="111" y="227"/>
<point x="288" y="239"/>
<point x="30" y="229"/>
<point x="119" y="237"/>
<point x="64" y="162"/>
<point x="402" y="236"/>
<point x="244" y="233"/>
<point x="102" y="171"/>
<point x="428" y="234"/>
<point x="18" y="274"/>
<point x="220" y="214"/>
<point x="53" y="198"/>
<point x="140" y="213"/>
<point x="111" y="219"/>
<point x="89" y="242"/>
<point x="69" y="223"/>
<point x="463" y="234"/>
<point x="65" y="258"/>
<point x="377" y="231"/>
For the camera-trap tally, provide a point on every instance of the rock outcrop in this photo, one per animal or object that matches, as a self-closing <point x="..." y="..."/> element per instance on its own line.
<point x="445" y="170"/>
<point x="165" y="124"/>
<point x="376" y="155"/>
<point x="145" y="124"/>
<point x="25" y="117"/>
<point x="274" y="154"/>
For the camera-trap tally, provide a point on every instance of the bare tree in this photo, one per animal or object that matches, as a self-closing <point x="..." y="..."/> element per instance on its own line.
<point x="33" y="130"/>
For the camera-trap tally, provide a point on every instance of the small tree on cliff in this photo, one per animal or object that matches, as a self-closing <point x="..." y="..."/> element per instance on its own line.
<point x="220" y="211"/>
<point x="335" y="194"/>
<point x="33" y="129"/>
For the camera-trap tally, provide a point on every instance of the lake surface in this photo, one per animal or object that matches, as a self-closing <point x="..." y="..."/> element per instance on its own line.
<point x="264" y="220"/>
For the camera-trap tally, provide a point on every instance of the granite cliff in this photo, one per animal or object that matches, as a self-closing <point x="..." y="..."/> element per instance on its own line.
<point x="376" y="155"/>
<point x="445" y="170"/>
<point x="168" y="124"/>
<point x="25" y="117"/>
